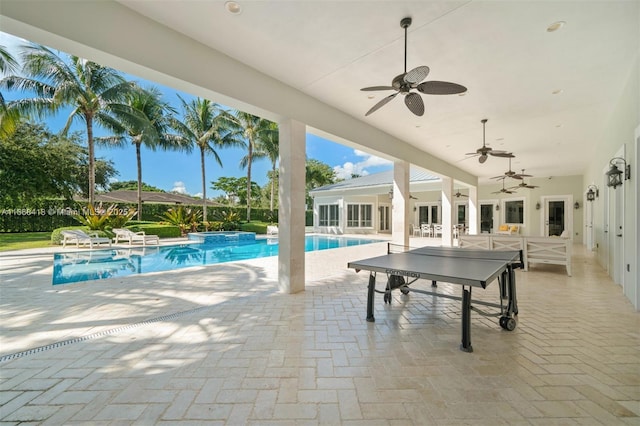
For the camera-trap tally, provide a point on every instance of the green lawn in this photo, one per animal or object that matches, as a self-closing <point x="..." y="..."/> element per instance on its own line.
<point x="24" y="240"/>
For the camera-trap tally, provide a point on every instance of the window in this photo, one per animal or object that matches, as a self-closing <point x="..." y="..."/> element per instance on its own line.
<point x="514" y="212"/>
<point x="328" y="214"/>
<point x="359" y="215"/>
<point x="434" y="214"/>
<point x="462" y="214"/>
<point x="428" y="214"/>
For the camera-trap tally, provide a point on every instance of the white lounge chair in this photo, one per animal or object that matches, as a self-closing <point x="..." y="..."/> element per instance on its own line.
<point x="127" y="235"/>
<point x="272" y="230"/>
<point x="80" y="237"/>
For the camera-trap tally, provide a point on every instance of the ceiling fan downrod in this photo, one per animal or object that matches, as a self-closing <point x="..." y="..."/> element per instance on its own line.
<point x="405" y="23"/>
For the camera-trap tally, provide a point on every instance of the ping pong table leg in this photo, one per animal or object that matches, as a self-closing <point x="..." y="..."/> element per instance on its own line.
<point x="466" y="320"/>
<point x="513" y="301"/>
<point x="503" y="285"/>
<point x="370" y="295"/>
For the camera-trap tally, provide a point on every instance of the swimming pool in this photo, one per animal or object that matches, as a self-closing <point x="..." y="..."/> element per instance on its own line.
<point x="110" y="263"/>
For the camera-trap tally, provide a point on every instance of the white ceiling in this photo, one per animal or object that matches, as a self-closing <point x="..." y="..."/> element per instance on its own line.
<point x="500" y="50"/>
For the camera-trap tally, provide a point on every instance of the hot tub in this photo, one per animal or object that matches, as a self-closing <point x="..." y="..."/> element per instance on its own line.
<point x="222" y="237"/>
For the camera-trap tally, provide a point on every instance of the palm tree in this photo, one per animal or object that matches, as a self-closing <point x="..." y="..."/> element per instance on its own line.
<point x="267" y="146"/>
<point x="208" y="126"/>
<point x="251" y="126"/>
<point x="90" y="89"/>
<point x="150" y="127"/>
<point x="9" y="117"/>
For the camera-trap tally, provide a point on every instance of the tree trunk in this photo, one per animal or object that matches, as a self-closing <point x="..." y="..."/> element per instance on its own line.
<point x="273" y="187"/>
<point x="250" y="160"/>
<point x="139" y="163"/>
<point x="92" y="163"/>
<point x="204" y="187"/>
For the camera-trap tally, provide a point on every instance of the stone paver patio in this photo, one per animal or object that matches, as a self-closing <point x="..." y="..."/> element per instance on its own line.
<point x="220" y="345"/>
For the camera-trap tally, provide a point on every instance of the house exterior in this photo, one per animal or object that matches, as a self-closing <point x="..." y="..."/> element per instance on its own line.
<point x="363" y="205"/>
<point x="550" y="207"/>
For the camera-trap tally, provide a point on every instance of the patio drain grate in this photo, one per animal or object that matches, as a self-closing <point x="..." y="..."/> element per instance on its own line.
<point x="100" y="334"/>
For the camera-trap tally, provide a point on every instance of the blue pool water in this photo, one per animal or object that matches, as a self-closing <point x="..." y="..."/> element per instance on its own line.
<point x="109" y="263"/>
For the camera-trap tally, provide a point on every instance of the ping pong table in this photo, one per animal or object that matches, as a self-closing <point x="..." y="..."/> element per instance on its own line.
<point x="467" y="267"/>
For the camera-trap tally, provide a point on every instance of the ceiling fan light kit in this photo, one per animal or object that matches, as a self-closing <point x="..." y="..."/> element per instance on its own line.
<point x="408" y="81"/>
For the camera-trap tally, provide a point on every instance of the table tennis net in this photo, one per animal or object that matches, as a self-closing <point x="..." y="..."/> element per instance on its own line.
<point x="454" y="252"/>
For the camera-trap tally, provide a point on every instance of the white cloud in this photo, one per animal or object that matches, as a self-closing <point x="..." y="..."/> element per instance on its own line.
<point x="348" y="169"/>
<point x="198" y="195"/>
<point x="179" y="187"/>
<point x="113" y="180"/>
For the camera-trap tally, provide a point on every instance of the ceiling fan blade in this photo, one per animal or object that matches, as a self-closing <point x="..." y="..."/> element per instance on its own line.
<point x="382" y="103"/>
<point x="416" y="75"/>
<point x="516" y="177"/>
<point x="499" y="177"/>
<point x="373" y="88"/>
<point x="413" y="101"/>
<point x="503" y="154"/>
<point x="482" y="158"/>
<point x="441" y="88"/>
<point x="496" y="192"/>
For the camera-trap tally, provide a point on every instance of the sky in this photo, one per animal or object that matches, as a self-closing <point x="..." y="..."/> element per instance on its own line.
<point x="181" y="172"/>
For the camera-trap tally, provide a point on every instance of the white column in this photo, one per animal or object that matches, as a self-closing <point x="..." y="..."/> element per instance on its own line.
<point x="291" y="210"/>
<point x="447" y="211"/>
<point x="474" y="218"/>
<point x="400" y="203"/>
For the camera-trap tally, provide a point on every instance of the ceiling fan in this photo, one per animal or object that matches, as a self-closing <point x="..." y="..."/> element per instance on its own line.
<point x="503" y="190"/>
<point x="485" y="150"/>
<point x="459" y="194"/>
<point x="523" y="184"/>
<point x="511" y="174"/>
<point x="408" y="81"/>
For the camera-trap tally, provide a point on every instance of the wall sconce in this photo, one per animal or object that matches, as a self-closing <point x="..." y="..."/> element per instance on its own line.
<point x="391" y="194"/>
<point x="614" y="175"/>
<point x="576" y="205"/>
<point x="497" y="207"/>
<point x="591" y="195"/>
<point x="538" y="206"/>
<point x="415" y="208"/>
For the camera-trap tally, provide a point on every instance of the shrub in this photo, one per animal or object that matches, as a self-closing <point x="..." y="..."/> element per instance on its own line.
<point x="230" y="220"/>
<point x="159" y="229"/>
<point x="257" y="227"/>
<point x="184" y="218"/>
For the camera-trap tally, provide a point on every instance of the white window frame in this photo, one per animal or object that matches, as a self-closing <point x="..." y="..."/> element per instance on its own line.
<point x="360" y="221"/>
<point x="331" y="220"/>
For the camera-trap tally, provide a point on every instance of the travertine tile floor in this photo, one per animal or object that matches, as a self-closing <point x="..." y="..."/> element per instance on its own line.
<point x="219" y="345"/>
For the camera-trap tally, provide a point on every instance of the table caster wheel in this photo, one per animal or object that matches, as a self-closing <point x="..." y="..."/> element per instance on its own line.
<point x="510" y="324"/>
<point x="502" y="322"/>
<point x="404" y="290"/>
<point x="387" y="298"/>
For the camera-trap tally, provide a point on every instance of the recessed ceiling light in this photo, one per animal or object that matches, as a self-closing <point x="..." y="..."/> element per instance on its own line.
<point x="462" y="94"/>
<point x="418" y="126"/>
<point x="558" y="125"/>
<point x="556" y="92"/>
<point x="555" y="26"/>
<point x="371" y="96"/>
<point x="233" y="7"/>
<point x="499" y="139"/>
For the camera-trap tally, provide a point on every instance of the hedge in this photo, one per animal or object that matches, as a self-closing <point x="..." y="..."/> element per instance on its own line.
<point x="48" y="215"/>
<point x="159" y="229"/>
